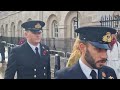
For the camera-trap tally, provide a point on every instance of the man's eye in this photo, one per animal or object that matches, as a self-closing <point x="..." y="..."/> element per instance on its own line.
<point x="98" y="49"/>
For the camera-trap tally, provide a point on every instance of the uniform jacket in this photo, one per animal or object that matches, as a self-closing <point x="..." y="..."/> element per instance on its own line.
<point x="22" y="60"/>
<point x="2" y="48"/>
<point x="75" y="72"/>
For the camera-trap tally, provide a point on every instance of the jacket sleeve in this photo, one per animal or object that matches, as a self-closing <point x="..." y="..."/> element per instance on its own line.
<point x="11" y="66"/>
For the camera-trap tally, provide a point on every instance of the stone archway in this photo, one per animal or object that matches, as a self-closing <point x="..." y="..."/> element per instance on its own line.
<point x="19" y="31"/>
<point x="50" y="40"/>
<point x="50" y="19"/>
<point x="12" y="40"/>
<point x="68" y="32"/>
<point x="6" y="32"/>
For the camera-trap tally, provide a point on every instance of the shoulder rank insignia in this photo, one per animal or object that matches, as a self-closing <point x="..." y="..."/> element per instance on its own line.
<point x="107" y="37"/>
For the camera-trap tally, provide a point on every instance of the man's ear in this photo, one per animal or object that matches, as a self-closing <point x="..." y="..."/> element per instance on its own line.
<point x="82" y="47"/>
<point x="25" y="33"/>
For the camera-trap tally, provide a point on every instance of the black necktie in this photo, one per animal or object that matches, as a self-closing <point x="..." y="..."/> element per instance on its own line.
<point x="37" y="53"/>
<point x="93" y="74"/>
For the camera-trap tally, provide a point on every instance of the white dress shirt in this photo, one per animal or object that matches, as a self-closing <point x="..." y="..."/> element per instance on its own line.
<point x="86" y="70"/>
<point x="33" y="47"/>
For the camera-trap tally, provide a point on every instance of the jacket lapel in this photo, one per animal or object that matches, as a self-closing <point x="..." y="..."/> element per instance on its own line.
<point x="29" y="49"/>
<point x="78" y="71"/>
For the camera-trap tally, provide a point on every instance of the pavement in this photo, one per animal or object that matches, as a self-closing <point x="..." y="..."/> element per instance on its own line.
<point x="3" y="66"/>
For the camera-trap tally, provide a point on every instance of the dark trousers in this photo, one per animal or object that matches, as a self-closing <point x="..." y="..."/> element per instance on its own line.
<point x="3" y="56"/>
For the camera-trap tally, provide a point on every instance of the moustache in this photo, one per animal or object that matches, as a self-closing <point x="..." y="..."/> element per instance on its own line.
<point x="102" y="61"/>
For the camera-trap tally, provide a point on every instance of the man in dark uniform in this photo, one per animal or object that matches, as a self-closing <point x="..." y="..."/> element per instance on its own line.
<point x="93" y="47"/>
<point x="32" y="59"/>
<point x="2" y="51"/>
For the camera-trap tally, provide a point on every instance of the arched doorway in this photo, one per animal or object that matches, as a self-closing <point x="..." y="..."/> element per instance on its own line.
<point x="12" y="40"/>
<point x="19" y="31"/>
<point x="52" y="29"/>
<point x="71" y="22"/>
<point x="6" y="32"/>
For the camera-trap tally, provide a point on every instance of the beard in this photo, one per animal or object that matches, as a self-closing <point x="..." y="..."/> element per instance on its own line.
<point x="91" y="61"/>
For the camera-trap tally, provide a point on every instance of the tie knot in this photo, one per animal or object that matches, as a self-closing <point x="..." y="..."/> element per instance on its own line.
<point x="37" y="53"/>
<point x="93" y="74"/>
<point x="36" y="48"/>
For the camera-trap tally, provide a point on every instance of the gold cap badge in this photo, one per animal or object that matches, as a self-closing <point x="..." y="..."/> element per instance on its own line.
<point x="107" y="37"/>
<point x="37" y="26"/>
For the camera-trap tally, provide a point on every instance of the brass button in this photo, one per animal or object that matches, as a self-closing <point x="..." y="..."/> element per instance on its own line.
<point x="44" y="74"/>
<point x="34" y="69"/>
<point x="34" y="76"/>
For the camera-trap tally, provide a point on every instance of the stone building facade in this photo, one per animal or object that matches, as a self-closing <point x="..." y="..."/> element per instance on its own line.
<point x="59" y="28"/>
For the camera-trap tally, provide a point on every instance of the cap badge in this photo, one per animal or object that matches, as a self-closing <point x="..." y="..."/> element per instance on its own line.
<point x="37" y="26"/>
<point x="107" y="37"/>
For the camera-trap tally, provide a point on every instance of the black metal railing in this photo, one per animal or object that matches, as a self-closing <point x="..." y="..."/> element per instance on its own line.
<point x="110" y="21"/>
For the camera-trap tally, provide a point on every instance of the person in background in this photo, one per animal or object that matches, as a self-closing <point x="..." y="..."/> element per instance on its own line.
<point x="30" y="60"/>
<point x="2" y="51"/>
<point x="113" y="59"/>
<point x="75" y="55"/>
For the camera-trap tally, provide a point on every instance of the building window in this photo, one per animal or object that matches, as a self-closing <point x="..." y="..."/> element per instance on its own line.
<point x="20" y="31"/>
<point x="6" y="30"/>
<point x="55" y="29"/>
<point x="13" y="29"/>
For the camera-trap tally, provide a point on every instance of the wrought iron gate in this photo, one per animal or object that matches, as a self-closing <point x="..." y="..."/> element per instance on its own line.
<point x="110" y="21"/>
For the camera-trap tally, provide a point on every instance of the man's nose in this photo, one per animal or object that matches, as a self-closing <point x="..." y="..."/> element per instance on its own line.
<point x="104" y="54"/>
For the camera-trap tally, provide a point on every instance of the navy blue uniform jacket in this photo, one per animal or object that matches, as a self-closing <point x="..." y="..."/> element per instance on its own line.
<point x="22" y="60"/>
<point x="75" y="72"/>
